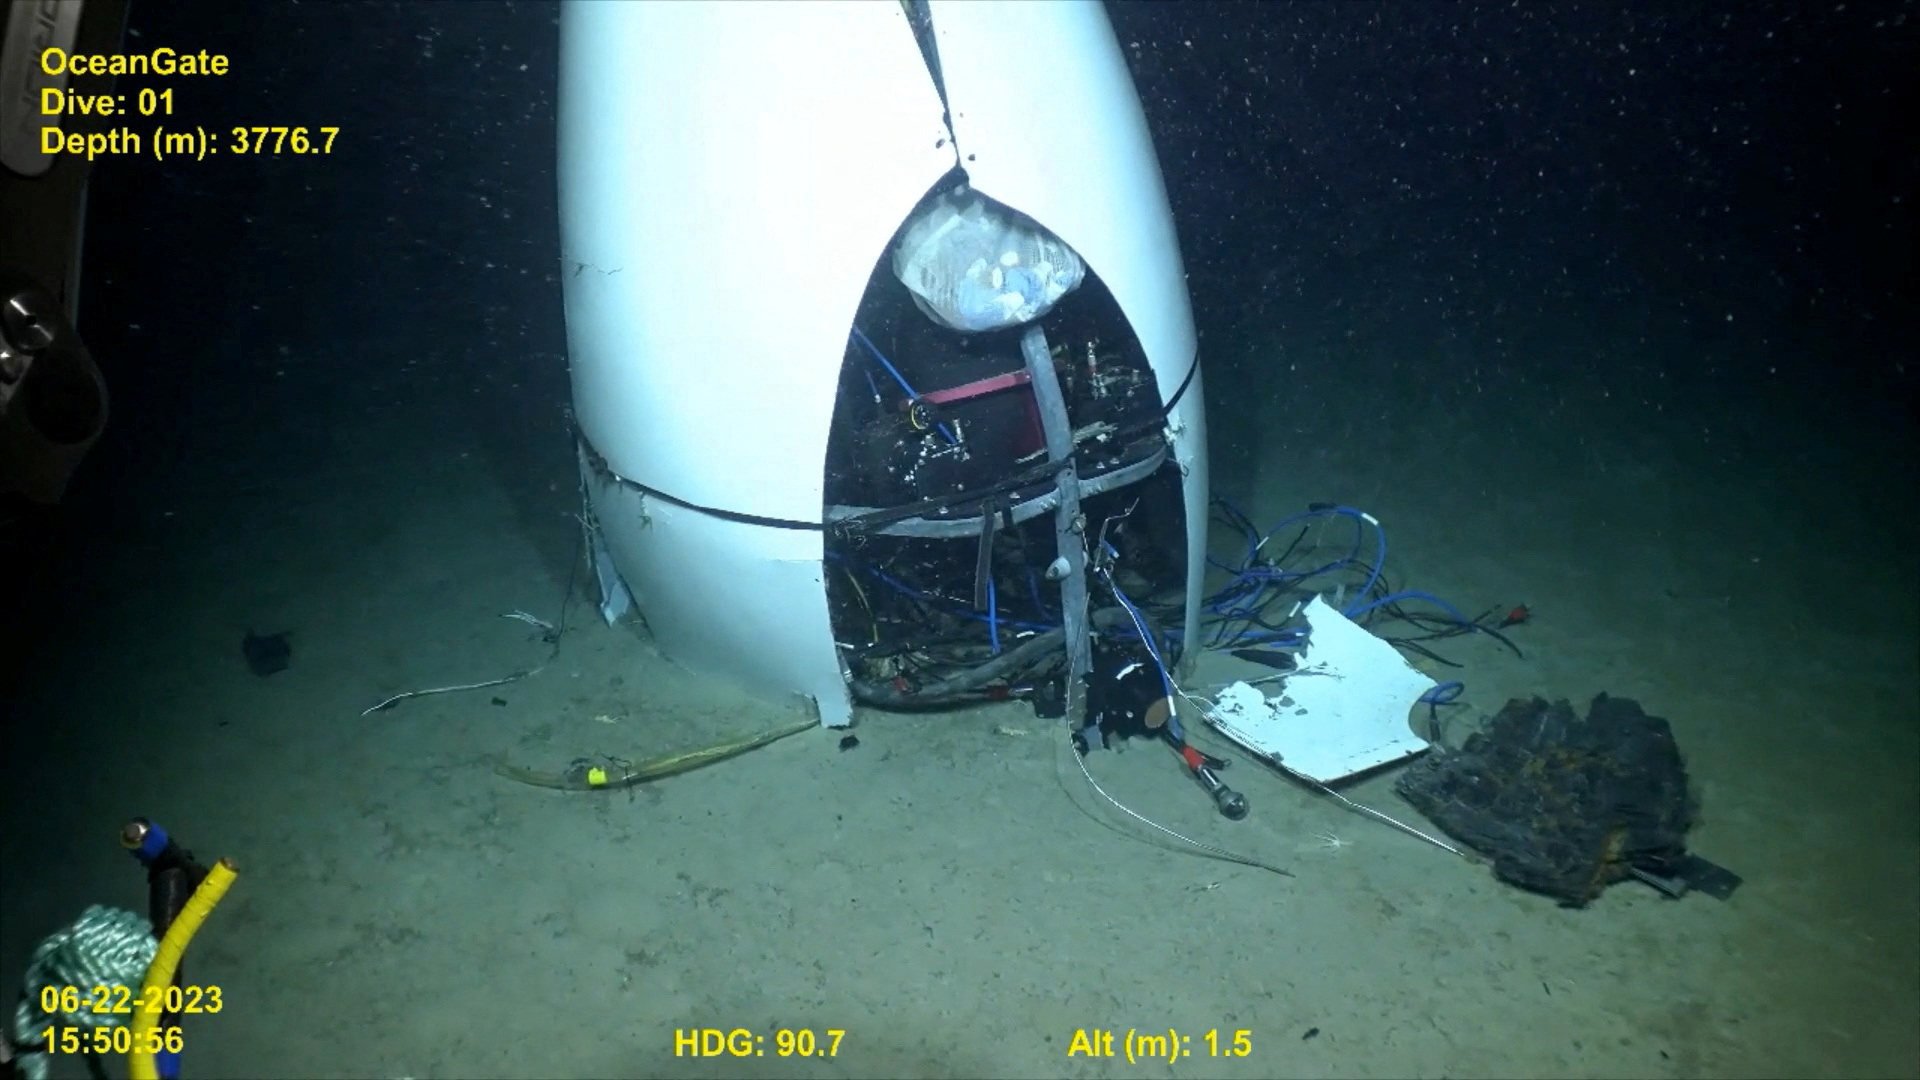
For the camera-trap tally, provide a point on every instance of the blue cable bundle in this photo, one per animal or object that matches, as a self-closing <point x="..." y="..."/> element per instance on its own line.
<point x="1236" y="613"/>
<point x="905" y="387"/>
<point x="1258" y="583"/>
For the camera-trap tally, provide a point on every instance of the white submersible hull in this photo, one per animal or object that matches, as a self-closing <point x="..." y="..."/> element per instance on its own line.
<point x="788" y="352"/>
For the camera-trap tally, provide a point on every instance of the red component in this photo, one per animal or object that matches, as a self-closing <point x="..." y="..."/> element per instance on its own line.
<point x="977" y="388"/>
<point x="996" y="384"/>
<point x="1192" y="757"/>
<point x="1515" y="617"/>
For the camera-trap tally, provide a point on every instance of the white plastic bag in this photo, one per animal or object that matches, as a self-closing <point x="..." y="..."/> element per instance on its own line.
<point x="973" y="265"/>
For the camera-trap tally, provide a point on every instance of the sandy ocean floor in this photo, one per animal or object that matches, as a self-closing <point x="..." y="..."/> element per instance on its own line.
<point x="954" y="898"/>
<point x="344" y="418"/>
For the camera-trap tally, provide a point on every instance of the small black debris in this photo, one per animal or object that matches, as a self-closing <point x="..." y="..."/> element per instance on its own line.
<point x="266" y="654"/>
<point x="500" y="701"/>
<point x="848" y="742"/>
<point x="1311" y="1032"/>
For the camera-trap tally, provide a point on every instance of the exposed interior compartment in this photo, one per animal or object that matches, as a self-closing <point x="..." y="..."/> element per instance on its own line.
<point x="950" y="578"/>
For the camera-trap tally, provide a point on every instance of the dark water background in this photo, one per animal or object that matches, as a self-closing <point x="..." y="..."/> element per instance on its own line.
<point x="1658" y="261"/>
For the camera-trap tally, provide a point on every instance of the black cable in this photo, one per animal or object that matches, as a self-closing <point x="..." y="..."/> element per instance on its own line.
<point x="1035" y="654"/>
<point x="566" y="598"/>
<point x="967" y="684"/>
<point x="854" y="526"/>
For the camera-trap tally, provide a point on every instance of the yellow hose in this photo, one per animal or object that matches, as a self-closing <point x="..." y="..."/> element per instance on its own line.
<point x="160" y="973"/>
<point x="585" y="776"/>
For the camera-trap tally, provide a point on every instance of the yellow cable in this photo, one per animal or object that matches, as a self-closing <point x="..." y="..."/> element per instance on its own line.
<point x="597" y="778"/>
<point x="160" y="973"/>
<point x="873" y="623"/>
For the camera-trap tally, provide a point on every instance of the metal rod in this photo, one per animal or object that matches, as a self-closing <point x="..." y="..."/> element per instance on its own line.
<point x="1069" y="526"/>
